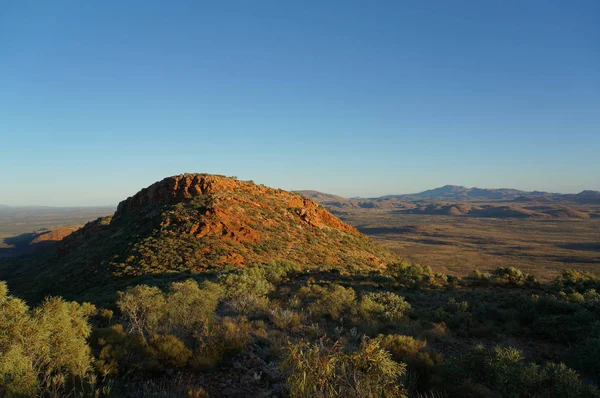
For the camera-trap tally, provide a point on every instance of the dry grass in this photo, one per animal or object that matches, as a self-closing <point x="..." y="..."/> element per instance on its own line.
<point x="457" y="244"/>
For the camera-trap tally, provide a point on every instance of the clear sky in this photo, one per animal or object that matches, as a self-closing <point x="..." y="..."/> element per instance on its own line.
<point x="101" y="98"/>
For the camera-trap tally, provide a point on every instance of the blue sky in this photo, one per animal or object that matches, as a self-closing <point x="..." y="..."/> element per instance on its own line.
<point x="99" y="99"/>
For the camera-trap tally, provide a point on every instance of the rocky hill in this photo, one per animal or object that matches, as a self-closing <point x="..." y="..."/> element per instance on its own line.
<point x="192" y="224"/>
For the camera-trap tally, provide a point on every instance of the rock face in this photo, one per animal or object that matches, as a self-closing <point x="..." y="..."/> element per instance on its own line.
<point x="195" y="223"/>
<point x="176" y="189"/>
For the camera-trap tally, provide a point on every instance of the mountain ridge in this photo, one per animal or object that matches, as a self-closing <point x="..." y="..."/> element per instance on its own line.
<point x="459" y="192"/>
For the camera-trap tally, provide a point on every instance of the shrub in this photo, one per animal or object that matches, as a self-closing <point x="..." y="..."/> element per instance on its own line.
<point x="106" y="315"/>
<point x="477" y="277"/>
<point x="169" y="351"/>
<point x="592" y="300"/>
<point x="574" y="280"/>
<point x="122" y="352"/>
<point x="221" y="342"/>
<point x="412" y="274"/>
<point x="142" y="307"/>
<point x="190" y="307"/>
<point x="276" y="270"/>
<point x="284" y="318"/>
<point x="246" y="290"/>
<point x="512" y="276"/>
<point x="401" y="347"/>
<point x="502" y="276"/>
<point x="455" y="314"/>
<point x="504" y="371"/>
<point x="43" y="351"/>
<point x="384" y="305"/>
<point x="334" y="300"/>
<point x="414" y="353"/>
<point x="316" y="371"/>
<point x="586" y="357"/>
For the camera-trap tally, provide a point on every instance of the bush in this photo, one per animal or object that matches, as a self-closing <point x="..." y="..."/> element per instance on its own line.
<point x="409" y="274"/>
<point x="246" y="290"/>
<point x="455" y="314"/>
<point x="120" y="352"/>
<point x="316" y="371"/>
<point x="221" y="342"/>
<point x="284" y="318"/>
<point x="169" y="351"/>
<point x="142" y="307"/>
<point x="276" y="270"/>
<point x="504" y="276"/>
<point x="504" y="371"/>
<point x="576" y="281"/>
<point x="190" y="307"/>
<point x="414" y="353"/>
<point x="512" y="276"/>
<point x="586" y="357"/>
<point x="401" y="347"/>
<point x="335" y="300"/>
<point x="385" y="306"/>
<point x="43" y="351"/>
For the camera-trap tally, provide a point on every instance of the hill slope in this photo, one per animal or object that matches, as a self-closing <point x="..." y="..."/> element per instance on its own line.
<point x="190" y="224"/>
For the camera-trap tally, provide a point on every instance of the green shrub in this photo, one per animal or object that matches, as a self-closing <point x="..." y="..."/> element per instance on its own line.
<point x="401" y="347"/>
<point x="455" y="314"/>
<point x="334" y="300"/>
<point x="246" y="291"/>
<point x="169" y="351"/>
<point x="586" y="357"/>
<point x="221" y="341"/>
<point x="505" y="372"/>
<point x="385" y="306"/>
<point x="409" y="274"/>
<point x="43" y="351"/>
<point x="276" y="270"/>
<point x="512" y="276"/>
<point x="316" y="371"/>
<point x="284" y="318"/>
<point x="190" y="307"/>
<point x="121" y="352"/>
<point x="504" y="276"/>
<point x="142" y="307"/>
<point x="414" y="353"/>
<point x="592" y="300"/>
<point x="574" y="280"/>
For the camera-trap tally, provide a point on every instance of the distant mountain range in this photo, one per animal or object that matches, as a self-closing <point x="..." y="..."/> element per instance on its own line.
<point x="460" y="193"/>
<point x="455" y="200"/>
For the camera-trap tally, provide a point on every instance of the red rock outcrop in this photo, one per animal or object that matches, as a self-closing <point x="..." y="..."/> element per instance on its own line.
<point x="172" y="190"/>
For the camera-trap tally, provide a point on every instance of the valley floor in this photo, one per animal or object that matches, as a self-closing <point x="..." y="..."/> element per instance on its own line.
<point x="456" y="245"/>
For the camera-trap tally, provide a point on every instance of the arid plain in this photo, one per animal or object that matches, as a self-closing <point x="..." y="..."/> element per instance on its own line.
<point x="459" y="244"/>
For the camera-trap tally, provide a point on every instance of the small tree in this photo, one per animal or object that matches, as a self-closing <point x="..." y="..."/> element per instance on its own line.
<point x="143" y="307"/>
<point x="191" y="307"/>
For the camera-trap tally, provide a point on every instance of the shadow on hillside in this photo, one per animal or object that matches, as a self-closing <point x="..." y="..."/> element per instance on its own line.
<point x="590" y="246"/>
<point x="385" y="230"/>
<point x="21" y="244"/>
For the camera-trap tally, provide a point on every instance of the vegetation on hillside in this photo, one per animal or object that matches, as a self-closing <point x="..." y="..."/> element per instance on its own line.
<point x="280" y="329"/>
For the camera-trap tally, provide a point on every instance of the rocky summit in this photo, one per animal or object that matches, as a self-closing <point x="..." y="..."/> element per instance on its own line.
<point x="196" y="223"/>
